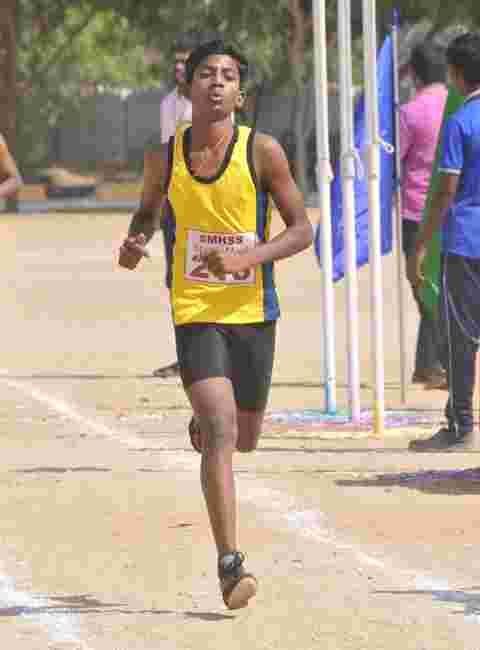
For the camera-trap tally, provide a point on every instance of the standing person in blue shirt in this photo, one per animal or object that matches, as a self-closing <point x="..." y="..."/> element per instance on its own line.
<point x="455" y="209"/>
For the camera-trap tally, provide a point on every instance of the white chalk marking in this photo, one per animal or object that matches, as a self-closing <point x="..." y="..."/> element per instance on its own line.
<point x="61" y="628"/>
<point x="308" y="524"/>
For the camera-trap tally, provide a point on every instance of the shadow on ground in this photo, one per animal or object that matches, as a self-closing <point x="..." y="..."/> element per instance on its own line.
<point x="468" y="599"/>
<point x="60" y="470"/>
<point x="276" y="383"/>
<point x="459" y="482"/>
<point x="86" y="604"/>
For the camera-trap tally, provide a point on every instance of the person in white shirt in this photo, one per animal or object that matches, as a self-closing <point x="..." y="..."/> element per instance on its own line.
<point x="175" y="109"/>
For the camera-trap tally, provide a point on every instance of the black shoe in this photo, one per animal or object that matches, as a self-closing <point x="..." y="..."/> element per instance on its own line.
<point x="237" y="586"/>
<point x="173" y="370"/>
<point x="436" y="383"/>
<point x="429" y="376"/>
<point x="444" y="440"/>
<point x="195" y="434"/>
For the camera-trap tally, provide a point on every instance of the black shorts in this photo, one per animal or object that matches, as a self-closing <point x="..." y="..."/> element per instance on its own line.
<point x="242" y="353"/>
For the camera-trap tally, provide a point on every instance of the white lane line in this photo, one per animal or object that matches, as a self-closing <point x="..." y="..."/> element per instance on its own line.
<point x="273" y="503"/>
<point x="61" y="628"/>
<point x="313" y="525"/>
<point x="61" y="407"/>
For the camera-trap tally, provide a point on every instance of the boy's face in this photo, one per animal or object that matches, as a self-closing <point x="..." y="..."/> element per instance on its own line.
<point x="215" y="88"/>
<point x="180" y="59"/>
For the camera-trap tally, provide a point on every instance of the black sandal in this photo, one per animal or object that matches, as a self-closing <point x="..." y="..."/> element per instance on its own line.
<point x="195" y="435"/>
<point x="165" y="372"/>
<point x="236" y="584"/>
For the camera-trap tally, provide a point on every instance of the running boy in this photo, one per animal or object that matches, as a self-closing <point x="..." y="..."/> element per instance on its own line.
<point x="219" y="180"/>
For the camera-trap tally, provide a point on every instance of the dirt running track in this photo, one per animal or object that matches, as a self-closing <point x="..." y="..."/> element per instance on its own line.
<point x="104" y="543"/>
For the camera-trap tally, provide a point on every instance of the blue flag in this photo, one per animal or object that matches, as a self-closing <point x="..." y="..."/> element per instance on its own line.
<point x="387" y="170"/>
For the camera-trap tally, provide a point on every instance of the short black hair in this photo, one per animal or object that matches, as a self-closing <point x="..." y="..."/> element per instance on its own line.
<point x="464" y="53"/>
<point x="217" y="46"/>
<point x="429" y="63"/>
<point x="187" y="41"/>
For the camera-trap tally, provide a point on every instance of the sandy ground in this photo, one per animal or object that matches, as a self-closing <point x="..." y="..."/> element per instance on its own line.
<point x="104" y="543"/>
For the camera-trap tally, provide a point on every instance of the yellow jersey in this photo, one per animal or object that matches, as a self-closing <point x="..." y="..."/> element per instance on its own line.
<point x="229" y="212"/>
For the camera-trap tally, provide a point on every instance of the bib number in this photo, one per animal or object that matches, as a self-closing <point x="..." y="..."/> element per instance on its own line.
<point x="200" y="243"/>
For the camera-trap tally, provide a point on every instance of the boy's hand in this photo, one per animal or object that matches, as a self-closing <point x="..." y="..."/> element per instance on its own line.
<point x="221" y="264"/>
<point x="132" y="250"/>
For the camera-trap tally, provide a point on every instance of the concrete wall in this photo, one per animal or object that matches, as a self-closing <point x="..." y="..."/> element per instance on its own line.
<point x="109" y="129"/>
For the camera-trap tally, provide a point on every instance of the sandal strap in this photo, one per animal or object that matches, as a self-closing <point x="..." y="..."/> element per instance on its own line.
<point x="230" y="565"/>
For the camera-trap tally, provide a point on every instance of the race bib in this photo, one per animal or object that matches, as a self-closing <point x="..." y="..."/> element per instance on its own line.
<point x="200" y="243"/>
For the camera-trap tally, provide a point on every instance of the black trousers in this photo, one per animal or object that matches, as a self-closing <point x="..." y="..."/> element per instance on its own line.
<point x="460" y="327"/>
<point x="427" y="354"/>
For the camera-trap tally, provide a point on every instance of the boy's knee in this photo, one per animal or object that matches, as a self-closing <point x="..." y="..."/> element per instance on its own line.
<point x="220" y="431"/>
<point x="249" y="430"/>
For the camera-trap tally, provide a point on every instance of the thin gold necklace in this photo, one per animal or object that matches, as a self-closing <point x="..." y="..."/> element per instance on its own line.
<point x="205" y="152"/>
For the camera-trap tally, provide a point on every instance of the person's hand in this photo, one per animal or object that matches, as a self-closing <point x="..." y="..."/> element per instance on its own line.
<point x="222" y="264"/>
<point x="132" y="250"/>
<point x="415" y="268"/>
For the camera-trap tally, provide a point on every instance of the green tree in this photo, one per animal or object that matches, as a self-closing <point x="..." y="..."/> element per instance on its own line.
<point x="63" y="46"/>
<point x="64" y="51"/>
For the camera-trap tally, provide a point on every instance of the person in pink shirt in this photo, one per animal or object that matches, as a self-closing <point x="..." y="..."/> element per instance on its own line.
<point x="420" y="124"/>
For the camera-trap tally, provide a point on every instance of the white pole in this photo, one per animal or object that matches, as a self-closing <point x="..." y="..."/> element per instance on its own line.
<point x="348" y="154"/>
<point x="398" y="219"/>
<point x="324" y="178"/>
<point x="374" y="214"/>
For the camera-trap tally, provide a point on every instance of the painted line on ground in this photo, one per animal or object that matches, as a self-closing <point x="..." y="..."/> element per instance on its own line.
<point x="277" y="505"/>
<point x="61" y="628"/>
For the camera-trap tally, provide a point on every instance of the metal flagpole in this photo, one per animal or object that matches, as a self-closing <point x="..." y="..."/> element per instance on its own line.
<point x="398" y="217"/>
<point x="324" y="178"/>
<point x="348" y="157"/>
<point x="374" y="217"/>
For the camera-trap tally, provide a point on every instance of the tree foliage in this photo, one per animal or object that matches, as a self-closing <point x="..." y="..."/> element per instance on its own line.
<point x="63" y="46"/>
<point x="66" y="50"/>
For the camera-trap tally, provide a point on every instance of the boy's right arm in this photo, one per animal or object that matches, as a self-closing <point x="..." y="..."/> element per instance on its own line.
<point x="10" y="179"/>
<point x="142" y="224"/>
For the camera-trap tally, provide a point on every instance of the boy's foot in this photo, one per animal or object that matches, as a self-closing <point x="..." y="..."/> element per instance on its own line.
<point x="429" y="376"/>
<point x="237" y="586"/>
<point x="173" y="370"/>
<point x="195" y="434"/>
<point x="444" y="440"/>
<point x="436" y="383"/>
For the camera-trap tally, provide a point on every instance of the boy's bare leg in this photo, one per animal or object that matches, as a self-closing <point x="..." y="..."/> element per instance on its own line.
<point x="249" y="425"/>
<point x="214" y="407"/>
<point x="249" y="429"/>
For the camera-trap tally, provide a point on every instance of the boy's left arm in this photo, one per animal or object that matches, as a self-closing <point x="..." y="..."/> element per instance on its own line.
<point x="274" y="177"/>
<point x="11" y="179"/>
